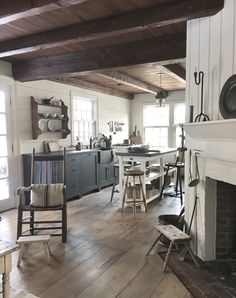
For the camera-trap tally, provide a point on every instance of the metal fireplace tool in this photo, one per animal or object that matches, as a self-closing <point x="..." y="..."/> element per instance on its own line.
<point x="199" y="79"/>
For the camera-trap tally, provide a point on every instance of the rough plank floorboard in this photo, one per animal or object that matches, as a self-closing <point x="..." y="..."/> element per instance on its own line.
<point x="105" y="255"/>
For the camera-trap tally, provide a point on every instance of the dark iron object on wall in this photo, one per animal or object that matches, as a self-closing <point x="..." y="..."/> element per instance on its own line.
<point x="199" y="79"/>
<point x="191" y="109"/>
<point x="228" y="98"/>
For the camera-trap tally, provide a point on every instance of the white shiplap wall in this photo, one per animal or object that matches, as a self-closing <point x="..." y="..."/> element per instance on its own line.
<point x="211" y="47"/>
<point x="211" y="44"/>
<point x="110" y="108"/>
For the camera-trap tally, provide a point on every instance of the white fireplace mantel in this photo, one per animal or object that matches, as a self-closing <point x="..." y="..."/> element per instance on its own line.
<point x="219" y="130"/>
<point x="215" y="142"/>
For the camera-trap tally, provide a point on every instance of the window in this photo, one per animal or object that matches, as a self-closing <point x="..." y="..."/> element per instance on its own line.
<point x="84" y="118"/>
<point x="3" y="150"/>
<point x="179" y="117"/>
<point x="161" y="124"/>
<point x="156" y="122"/>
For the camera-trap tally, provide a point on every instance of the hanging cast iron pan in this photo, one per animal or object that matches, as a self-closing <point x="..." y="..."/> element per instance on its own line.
<point x="195" y="181"/>
<point x="228" y="98"/>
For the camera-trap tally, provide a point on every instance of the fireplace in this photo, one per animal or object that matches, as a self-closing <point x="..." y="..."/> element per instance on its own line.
<point x="225" y="221"/>
<point x="214" y="227"/>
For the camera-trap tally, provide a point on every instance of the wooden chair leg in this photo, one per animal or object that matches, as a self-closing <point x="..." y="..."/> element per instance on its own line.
<point x="164" y="182"/>
<point x="64" y="224"/>
<point x="143" y="195"/>
<point x="134" y="198"/>
<point x="180" y="187"/>
<point x="168" y="255"/>
<point x="47" y="252"/>
<point x="153" y="245"/>
<point x="191" y="253"/>
<point x="112" y="191"/>
<point x="21" y="254"/>
<point x="19" y="222"/>
<point x="32" y="222"/>
<point x="124" y="194"/>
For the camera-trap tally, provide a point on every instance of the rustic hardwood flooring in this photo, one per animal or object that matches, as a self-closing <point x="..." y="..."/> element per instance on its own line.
<point x="105" y="255"/>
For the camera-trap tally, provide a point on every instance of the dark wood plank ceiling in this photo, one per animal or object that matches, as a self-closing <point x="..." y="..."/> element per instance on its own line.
<point x="119" y="47"/>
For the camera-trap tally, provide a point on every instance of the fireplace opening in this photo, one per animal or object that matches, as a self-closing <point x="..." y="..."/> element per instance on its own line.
<point x="226" y="221"/>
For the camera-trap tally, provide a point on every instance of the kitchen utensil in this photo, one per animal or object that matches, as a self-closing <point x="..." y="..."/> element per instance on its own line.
<point x="60" y="116"/>
<point x="53" y="115"/>
<point x="190" y="165"/>
<point x="47" y="100"/>
<point x="51" y="125"/>
<point x="227" y="98"/>
<point x="42" y="124"/>
<point x="133" y="137"/>
<point x="194" y="182"/>
<point x="183" y="250"/>
<point x="199" y="79"/>
<point x="138" y="138"/>
<point x="191" y="109"/>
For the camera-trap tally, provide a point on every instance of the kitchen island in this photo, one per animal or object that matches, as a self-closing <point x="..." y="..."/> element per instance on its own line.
<point x="143" y="159"/>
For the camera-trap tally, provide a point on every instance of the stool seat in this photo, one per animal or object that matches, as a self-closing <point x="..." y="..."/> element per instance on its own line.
<point x="134" y="173"/>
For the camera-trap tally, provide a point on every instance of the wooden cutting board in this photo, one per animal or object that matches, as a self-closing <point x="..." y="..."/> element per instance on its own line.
<point x="134" y="138"/>
<point x="138" y="138"/>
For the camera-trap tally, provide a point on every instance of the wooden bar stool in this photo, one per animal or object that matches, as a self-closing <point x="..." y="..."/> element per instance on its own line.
<point x="116" y="178"/>
<point x="133" y="174"/>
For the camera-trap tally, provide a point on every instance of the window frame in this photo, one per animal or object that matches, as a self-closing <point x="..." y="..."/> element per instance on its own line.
<point x="172" y="126"/>
<point x="89" y="98"/>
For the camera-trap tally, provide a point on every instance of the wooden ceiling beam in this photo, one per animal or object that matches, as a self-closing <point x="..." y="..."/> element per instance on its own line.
<point x="142" y="19"/>
<point x="18" y="9"/>
<point x="92" y="86"/>
<point x="128" y="80"/>
<point x="85" y="61"/>
<point x="177" y="70"/>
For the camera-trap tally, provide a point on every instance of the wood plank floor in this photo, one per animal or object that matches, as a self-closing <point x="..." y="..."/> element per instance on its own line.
<point x="105" y="255"/>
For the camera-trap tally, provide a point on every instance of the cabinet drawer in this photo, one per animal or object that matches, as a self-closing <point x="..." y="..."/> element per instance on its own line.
<point x="72" y="162"/>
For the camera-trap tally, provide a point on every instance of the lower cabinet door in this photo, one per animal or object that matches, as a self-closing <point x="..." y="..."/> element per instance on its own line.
<point x="103" y="175"/>
<point x="72" y="176"/>
<point x="106" y="174"/>
<point x="88" y="172"/>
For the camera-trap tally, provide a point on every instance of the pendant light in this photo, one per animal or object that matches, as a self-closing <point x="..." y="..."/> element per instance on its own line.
<point x="161" y="94"/>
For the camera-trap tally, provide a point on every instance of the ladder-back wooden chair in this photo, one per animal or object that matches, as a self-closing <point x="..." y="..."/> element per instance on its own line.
<point x="44" y="194"/>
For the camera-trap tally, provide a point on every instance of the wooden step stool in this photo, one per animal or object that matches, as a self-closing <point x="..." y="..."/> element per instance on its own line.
<point x="176" y="237"/>
<point x="26" y="240"/>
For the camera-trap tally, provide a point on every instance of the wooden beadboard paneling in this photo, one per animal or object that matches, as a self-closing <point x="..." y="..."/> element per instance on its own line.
<point x="214" y="65"/>
<point x="211" y="48"/>
<point x="110" y="108"/>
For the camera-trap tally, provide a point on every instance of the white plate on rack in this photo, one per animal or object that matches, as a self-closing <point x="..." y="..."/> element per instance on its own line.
<point x="52" y="125"/>
<point x="42" y="125"/>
